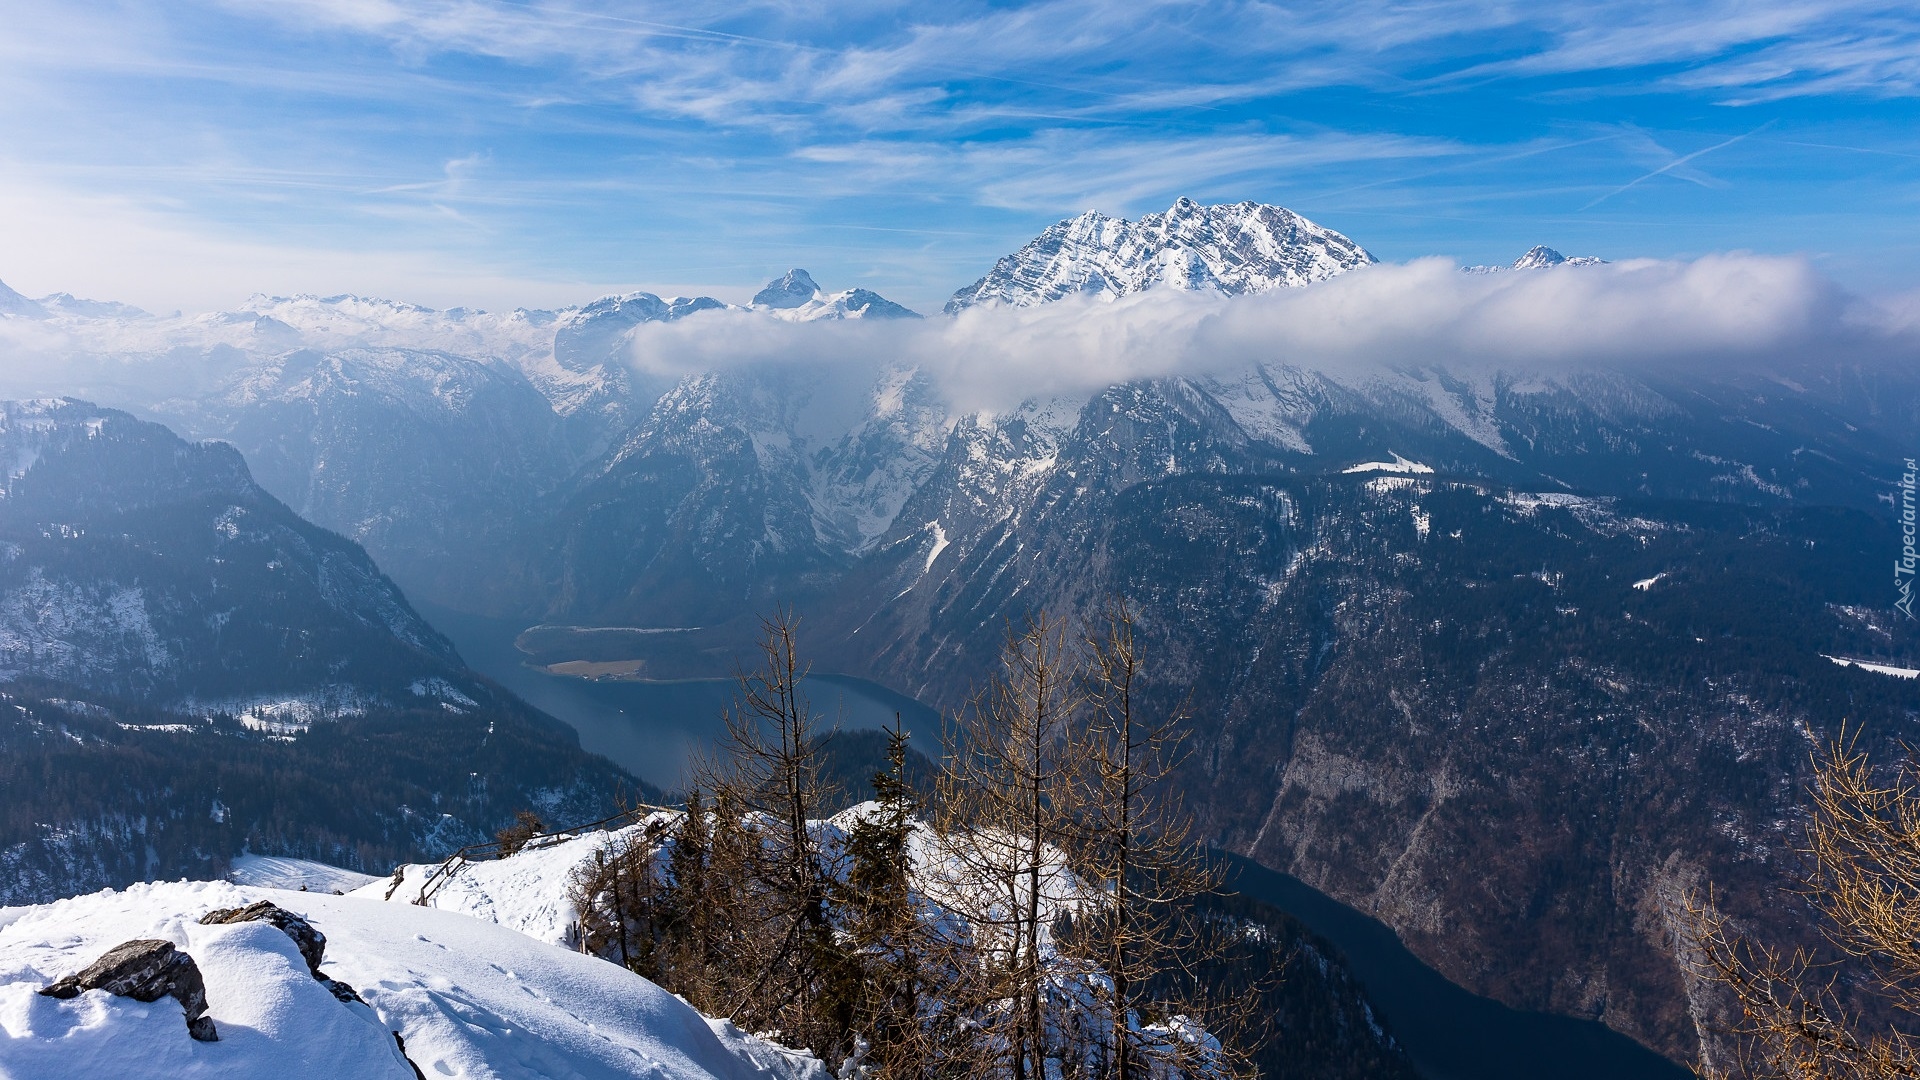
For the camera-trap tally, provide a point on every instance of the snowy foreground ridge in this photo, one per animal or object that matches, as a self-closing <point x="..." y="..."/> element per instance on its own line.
<point x="470" y="998"/>
<point x="534" y="893"/>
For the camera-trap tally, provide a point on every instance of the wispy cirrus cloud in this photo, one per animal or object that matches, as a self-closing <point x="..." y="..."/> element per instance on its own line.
<point x="649" y="141"/>
<point x="833" y="61"/>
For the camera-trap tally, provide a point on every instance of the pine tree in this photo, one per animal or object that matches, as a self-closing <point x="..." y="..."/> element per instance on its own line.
<point x="882" y="920"/>
<point x="787" y="970"/>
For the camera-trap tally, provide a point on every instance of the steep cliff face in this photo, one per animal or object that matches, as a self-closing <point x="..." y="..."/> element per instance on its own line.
<point x="701" y="513"/>
<point x="1515" y="724"/>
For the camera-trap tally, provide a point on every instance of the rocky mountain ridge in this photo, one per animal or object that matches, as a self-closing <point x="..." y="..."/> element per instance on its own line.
<point x="138" y="565"/>
<point x="1235" y="249"/>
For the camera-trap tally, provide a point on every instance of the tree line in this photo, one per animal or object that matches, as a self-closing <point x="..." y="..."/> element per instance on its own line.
<point x="1035" y="916"/>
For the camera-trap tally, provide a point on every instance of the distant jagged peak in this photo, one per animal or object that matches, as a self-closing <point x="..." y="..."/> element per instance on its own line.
<point x="793" y="289"/>
<point x="1231" y="248"/>
<point x="631" y="309"/>
<point x="1538" y="257"/>
<point x="347" y="302"/>
<point x="867" y="304"/>
<point x="796" y="297"/>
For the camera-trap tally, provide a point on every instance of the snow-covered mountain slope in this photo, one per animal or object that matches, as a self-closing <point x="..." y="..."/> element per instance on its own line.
<point x="14" y="305"/>
<point x="1277" y="579"/>
<point x="701" y="507"/>
<point x="796" y="298"/>
<point x="529" y="891"/>
<point x="139" y="564"/>
<point x="299" y="875"/>
<point x="190" y="671"/>
<point x="532" y="891"/>
<point x="859" y="480"/>
<point x="1235" y="248"/>
<point x="468" y="999"/>
<point x="430" y="460"/>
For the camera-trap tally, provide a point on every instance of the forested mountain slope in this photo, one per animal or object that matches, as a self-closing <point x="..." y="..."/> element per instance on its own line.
<point x="191" y="671"/>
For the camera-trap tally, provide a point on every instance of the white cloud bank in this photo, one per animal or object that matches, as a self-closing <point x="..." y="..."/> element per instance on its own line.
<point x="1718" y="309"/>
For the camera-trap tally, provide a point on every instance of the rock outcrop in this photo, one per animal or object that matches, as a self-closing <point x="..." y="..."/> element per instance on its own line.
<point x="146" y="970"/>
<point x="311" y="942"/>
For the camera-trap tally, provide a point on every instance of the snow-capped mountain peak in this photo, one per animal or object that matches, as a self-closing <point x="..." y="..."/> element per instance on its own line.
<point x="63" y="303"/>
<point x="790" y="291"/>
<point x="795" y="297"/>
<point x="1538" y="257"/>
<point x="1232" y="248"/>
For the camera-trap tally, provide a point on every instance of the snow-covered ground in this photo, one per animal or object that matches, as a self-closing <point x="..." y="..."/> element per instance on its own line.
<point x="1397" y="465"/>
<point x="471" y="999"/>
<point x="527" y="892"/>
<point x="301" y="875"/>
<point x="484" y="982"/>
<point x="532" y="891"/>
<point x="1879" y="669"/>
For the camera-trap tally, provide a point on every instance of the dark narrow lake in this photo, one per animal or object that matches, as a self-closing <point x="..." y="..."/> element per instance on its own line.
<point x="656" y="729"/>
<point x="1452" y="1034"/>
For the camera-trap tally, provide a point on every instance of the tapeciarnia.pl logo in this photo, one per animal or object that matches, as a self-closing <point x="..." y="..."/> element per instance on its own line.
<point x="1903" y="567"/>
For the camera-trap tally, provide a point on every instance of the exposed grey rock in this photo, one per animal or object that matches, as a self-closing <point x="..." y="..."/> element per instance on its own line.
<point x="402" y="1044"/>
<point x="341" y="991"/>
<point x="311" y="942"/>
<point x="145" y="970"/>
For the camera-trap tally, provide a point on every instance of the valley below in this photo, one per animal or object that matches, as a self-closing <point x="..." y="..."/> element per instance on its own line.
<point x="1510" y="657"/>
<point x="658" y="729"/>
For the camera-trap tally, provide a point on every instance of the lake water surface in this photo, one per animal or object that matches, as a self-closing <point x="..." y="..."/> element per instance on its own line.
<point x="655" y="730"/>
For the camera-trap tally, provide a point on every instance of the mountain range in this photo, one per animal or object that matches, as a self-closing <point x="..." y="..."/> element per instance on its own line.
<point x="191" y="672"/>
<point x="1510" y="657"/>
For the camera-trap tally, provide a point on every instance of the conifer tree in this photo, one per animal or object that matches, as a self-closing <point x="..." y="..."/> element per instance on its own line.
<point x="526" y="825"/>
<point x="882" y="921"/>
<point x="787" y="971"/>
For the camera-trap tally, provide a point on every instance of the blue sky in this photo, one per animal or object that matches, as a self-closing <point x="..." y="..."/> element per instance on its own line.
<point x="488" y="153"/>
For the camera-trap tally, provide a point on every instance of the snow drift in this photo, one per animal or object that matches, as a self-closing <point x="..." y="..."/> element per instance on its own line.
<point x="469" y="998"/>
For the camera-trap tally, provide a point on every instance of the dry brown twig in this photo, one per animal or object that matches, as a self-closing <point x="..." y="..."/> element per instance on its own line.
<point x="1795" y="1021"/>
